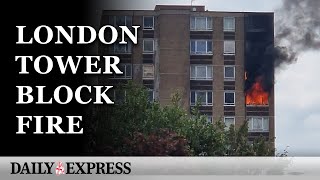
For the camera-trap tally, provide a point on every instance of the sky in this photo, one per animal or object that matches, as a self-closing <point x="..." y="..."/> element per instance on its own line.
<point x="297" y="88"/>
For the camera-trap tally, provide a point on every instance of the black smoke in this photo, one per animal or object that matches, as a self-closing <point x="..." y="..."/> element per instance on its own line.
<point x="297" y="30"/>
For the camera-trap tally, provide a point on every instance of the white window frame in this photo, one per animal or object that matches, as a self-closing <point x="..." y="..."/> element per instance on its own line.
<point x="224" y="47"/>
<point x="127" y="51"/>
<point x="234" y="24"/>
<point x="148" y="52"/>
<point x="143" y="67"/>
<point x="195" y="23"/>
<point x="148" y="28"/>
<point x="229" y="117"/>
<point x="196" y="97"/>
<point x="124" y="75"/>
<point x="196" y="66"/>
<point x="263" y="118"/>
<point x="234" y="73"/>
<point x="196" y="44"/>
<point x="234" y="98"/>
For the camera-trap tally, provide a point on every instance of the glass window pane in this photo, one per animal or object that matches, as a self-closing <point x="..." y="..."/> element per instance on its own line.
<point x="119" y="48"/>
<point x="228" y="121"/>
<point x="201" y="72"/>
<point x="111" y="20"/>
<point x="229" y="72"/>
<point x="192" y="23"/>
<point x="148" y="45"/>
<point x="201" y="47"/>
<point x="201" y="97"/>
<point x="193" y="71"/>
<point x="201" y="23"/>
<point x="257" y="123"/>
<point x="148" y="22"/>
<point x="128" y="21"/>
<point x="129" y="47"/>
<point x="229" y="98"/>
<point x="122" y="68"/>
<point x="128" y="71"/>
<point x="193" y="46"/>
<point x="150" y="95"/>
<point x="209" y="99"/>
<point x="209" y="72"/>
<point x="209" y="23"/>
<point x="209" y="47"/>
<point x="229" y="24"/>
<point x="209" y="119"/>
<point x="120" y="20"/>
<point x="193" y="98"/>
<point x="266" y="124"/>
<point x="250" y="124"/>
<point x="229" y="47"/>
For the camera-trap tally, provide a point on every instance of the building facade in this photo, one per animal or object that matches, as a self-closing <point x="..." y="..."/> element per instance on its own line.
<point x="203" y="55"/>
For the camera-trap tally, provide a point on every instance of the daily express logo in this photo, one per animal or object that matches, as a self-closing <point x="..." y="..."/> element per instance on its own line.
<point x="61" y="168"/>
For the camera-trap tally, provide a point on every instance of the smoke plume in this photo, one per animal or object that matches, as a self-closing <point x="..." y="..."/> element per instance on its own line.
<point x="297" y="28"/>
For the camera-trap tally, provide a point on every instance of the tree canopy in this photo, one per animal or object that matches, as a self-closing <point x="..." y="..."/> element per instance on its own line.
<point x="136" y="126"/>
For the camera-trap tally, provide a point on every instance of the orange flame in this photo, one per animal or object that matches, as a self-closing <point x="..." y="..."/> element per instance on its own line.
<point x="256" y="94"/>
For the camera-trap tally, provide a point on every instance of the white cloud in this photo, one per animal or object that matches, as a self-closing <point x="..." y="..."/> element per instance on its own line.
<point x="312" y="122"/>
<point x="297" y="85"/>
<point x="298" y="106"/>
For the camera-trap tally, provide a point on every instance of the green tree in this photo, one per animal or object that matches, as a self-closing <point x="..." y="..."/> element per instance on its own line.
<point x="135" y="126"/>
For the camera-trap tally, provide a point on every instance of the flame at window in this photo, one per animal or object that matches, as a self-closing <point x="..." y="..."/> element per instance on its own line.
<point x="256" y="95"/>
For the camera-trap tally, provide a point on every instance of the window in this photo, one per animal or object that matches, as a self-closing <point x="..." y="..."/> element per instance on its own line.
<point x="111" y="20"/>
<point x="127" y="71"/>
<point x="229" y="24"/>
<point x="229" y="73"/>
<point x="229" y="47"/>
<point x="120" y="20"/>
<point x="256" y="22"/>
<point x="228" y="121"/>
<point x="150" y="95"/>
<point x="148" y="22"/>
<point x="202" y="97"/>
<point x="201" y="46"/>
<point x="258" y="124"/>
<point x="201" y="72"/>
<point x="200" y="23"/>
<point x="118" y="95"/>
<point x="148" y="71"/>
<point x="121" y="48"/>
<point x="229" y="98"/>
<point x="148" y="46"/>
<point x="209" y="119"/>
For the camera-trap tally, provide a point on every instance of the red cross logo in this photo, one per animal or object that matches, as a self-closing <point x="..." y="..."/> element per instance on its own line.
<point x="59" y="169"/>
